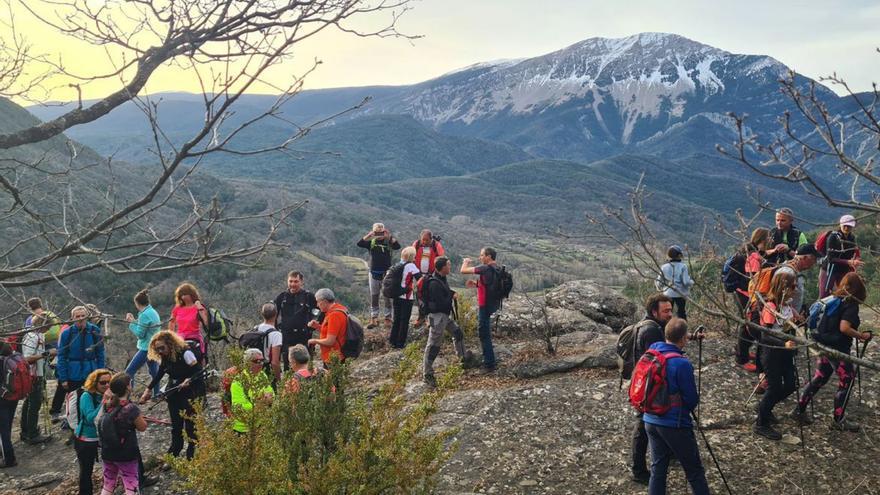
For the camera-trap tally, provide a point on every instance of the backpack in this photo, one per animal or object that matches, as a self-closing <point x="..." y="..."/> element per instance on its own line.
<point x="733" y="272"/>
<point x="626" y="347"/>
<point x="760" y="284"/>
<point x="825" y="328"/>
<point x="109" y="433"/>
<point x="255" y="339"/>
<point x="218" y="326"/>
<point x="354" y="337"/>
<point x="500" y="286"/>
<point x="392" y="282"/>
<point x="17" y="381"/>
<point x="72" y="408"/>
<point x="423" y="291"/>
<point x="649" y="390"/>
<point x="821" y="243"/>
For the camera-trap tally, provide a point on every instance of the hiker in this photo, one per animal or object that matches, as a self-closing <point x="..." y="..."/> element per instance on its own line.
<point x="118" y="423"/>
<point x="186" y="384"/>
<point x="243" y="400"/>
<point x="754" y="263"/>
<point x="271" y="341"/>
<point x="380" y="243"/>
<point x="403" y="303"/>
<point x="777" y="355"/>
<point x="675" y="281"/>
<point x="785" y="238"/>
<point x="35" y="304"/>
<point x="658" y="311"/>
<point x="672" y="434"/>
<point x="85" y="441"/>
<point x="295" y="306"/>
<point x="7" y="416"/>
<point x="143" y="327"/>
<point x="842" y="256"/>
<point x="332" y="328"/>
<point x="852" y="292"/>
<point x="804" y="259"/>
<point x="33" y="348"/>
<point x="96" y="317"/>
<point x="80" y="351"/>
<point x="189" y="315"/>
<point x="299" y="367"/>
<point x="487" y="272"/>
<point x="428" y="248"/>
<point x="438" y="304"/>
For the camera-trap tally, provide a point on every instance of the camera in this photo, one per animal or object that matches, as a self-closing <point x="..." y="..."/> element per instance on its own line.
<point x="436" y="238"/>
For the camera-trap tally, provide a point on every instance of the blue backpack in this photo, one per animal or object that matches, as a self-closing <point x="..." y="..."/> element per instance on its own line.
<point x="823" y="325"/>
<point x="733" y="273"/>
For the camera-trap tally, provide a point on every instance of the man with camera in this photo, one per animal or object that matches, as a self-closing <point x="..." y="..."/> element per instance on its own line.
<point x="428" y="249"/>
<point x="380" y="243"/>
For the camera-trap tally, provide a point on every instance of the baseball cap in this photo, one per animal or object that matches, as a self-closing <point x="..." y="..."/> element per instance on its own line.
<point x="848" y="220"/>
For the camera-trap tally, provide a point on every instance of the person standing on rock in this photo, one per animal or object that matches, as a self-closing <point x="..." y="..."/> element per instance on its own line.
<point x="80" y="351"/>
<point x="649" y="331"/>
<point x="85" y="440"/>
<point x="785" y="238"/>
<point x="403" y="303"/>
<point x="672" y="434"/>
<point x="675" y="281"/>
<point x="843" y="256"/>
<point x="332" y="328"/>
<point x="380" y="243"/>
<point x="144" y="326"/>
<point x="295" y="306"/>
<point x="33" y="349"/>
<point x="438" y="306"/>
<point x="428" y="249"/>
<point x="487" y="272"/>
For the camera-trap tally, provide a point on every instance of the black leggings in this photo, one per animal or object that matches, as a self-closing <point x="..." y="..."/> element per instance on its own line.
<point x="400" y="324"/>
<point x="779" y="372"/>
<point x="86" y="455"/>
<point x="178" y="407"/>
<point x="824" y="369"/>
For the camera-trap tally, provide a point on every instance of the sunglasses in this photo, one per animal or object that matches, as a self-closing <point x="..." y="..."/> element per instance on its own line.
<point x="257" y="361"/>
<point x="159" y="348"/>
<point x="104" y="382"/>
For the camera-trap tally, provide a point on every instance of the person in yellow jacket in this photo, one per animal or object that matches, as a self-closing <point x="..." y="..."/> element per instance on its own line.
<point x="243" y="400"/>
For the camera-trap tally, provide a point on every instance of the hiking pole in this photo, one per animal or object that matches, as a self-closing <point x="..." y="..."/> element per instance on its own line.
<point x="712" y="454"/>
<point x="859" y="369"/>
<point x="809" y="373"/>
<point x="699" y="333"/>
<point x="800" y="423"/>
<point x="755" y="390"/>
<point x="849" y="390"/>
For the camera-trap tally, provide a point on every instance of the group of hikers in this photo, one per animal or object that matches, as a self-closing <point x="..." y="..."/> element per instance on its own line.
<point x="767" y="279"/>
<point x="295" y="327"/>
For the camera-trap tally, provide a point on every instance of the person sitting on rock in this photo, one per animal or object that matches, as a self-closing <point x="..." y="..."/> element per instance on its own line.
<point x="649" y="331"/>
<point x="438" y="306"/>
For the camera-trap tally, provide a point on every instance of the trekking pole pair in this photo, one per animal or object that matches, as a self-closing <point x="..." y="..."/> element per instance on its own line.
<point x="711" y="453"/>
<point x="859" y="354"/>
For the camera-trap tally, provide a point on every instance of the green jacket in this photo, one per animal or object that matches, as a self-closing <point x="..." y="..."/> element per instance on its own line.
<point x="244" y="401"/>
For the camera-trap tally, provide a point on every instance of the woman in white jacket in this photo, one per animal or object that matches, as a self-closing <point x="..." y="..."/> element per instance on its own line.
<point x="675" y="281"/>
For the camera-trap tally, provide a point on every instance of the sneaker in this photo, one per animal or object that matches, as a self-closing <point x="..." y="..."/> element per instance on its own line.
<point x="641" y="478"/>
<point x="488" y="369"/>
<point x="801" y="417"/>
<point x="750" y="367"/>
<point x="846" y="425"/>
<point x="767" y="432"/>
<point x="430" y="381"/>
<point x="9" y="464"/>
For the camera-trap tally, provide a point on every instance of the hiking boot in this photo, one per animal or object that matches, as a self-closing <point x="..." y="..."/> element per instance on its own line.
<point x="750" y="367"/>
<point x="767" y="431"/>
<point x="801" y="417"/>
<point x="56" y="418"/>
<point x="430" y="381"/>
<point x="374" y="322"/>
<point x="846" y="425"/>
<point x="37" y="440"/>
<point x="641" y="478"/>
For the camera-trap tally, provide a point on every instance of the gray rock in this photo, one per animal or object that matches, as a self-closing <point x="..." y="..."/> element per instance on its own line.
<point x="600" y="304"/>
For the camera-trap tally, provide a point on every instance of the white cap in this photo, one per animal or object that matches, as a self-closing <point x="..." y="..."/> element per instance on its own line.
<point x="848" y="221"/>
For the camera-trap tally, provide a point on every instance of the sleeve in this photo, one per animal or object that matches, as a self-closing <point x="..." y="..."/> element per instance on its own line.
<point x="62" y="363"/>
<point x="850" y="313"/>
<point x="802" y="240"/>
<point x="275" y="339"/>
<point x="159" y="375"/>
<point x="395" y="245"/>
<point x="687" y="387"/>
<point x="768" y="319"/>
<point x="835" y="249"/>
<point x="363" y="244"/>
<point x="686" y="277"/>
<point x="88" y="407"/>
<point x="141" y="326"/>
<point x="336" y="322"/>
<point x="189" y="358"/>
<point x="29" y="344"/>
<point x="239" y="398"/>
<point x="440" y="250"/>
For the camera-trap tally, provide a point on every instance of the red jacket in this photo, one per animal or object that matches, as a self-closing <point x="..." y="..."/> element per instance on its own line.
<point x="436" y="250"/>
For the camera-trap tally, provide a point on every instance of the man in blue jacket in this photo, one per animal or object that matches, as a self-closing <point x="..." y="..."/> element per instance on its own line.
<point x="672" y="434"/>
<point x="80" y="350"/>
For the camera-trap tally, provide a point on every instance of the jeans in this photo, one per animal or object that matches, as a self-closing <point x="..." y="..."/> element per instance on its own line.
<point x="779" y="372"/>
<point x="824" y="369"/>
<point x="400" y="324"/>
<point x="679" y="442"/>
<point x="7" y="414"/>
<point x="484" y="317"/>
<point x="439" y="323"/>
<point x="30" y="410"/>
<point x="86" y="454"/>
<point x="638" y="465"/>
<point x="137" y="362"/>
<point x="375" y="294"/>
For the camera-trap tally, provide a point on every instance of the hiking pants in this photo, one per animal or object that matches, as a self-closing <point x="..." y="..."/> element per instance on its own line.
<point x="679" y="303"/>
<point x="484" y="320"/>
<point x="375" y="294"/>
<point x="779" y="372"/>
<point x="30" y="410"/>
<point x="824" y="368"/>
<point x="137" y="362"/>
<point x="681" y="443"/>
<point x="86" y="455"/>
<point x="7" y="414"/>
<point x="127" y="470"/>
<point x="180" y="405"/>
<point x="400" y="324"/>
<point x="438" y="324"/>
<point x="638" y="465"/>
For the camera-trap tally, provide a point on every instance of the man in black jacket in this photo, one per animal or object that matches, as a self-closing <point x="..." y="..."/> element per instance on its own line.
<point x="785" y="238"/>
<point x="295" y="306"/>
<point x="380" y="243"/>
<point x="438" y="306"/>
<point x="658" y="311"/>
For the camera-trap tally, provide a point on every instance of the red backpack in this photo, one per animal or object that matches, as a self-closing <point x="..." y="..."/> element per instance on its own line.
<point x="821" y="243"/>
<point x="17" y="381"/>
<point x="648" y="390"/>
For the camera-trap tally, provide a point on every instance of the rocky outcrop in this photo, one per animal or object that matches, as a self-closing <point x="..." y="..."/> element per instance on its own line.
<point x="600" y="304"/>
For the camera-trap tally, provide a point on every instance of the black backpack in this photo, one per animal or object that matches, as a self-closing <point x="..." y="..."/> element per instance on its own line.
<point x="354" y="337"/>
<point x="733" y="272"/>
<point x="392" y="283"/>
<point x="501" y="284"/>
<point x="111" y="432"/>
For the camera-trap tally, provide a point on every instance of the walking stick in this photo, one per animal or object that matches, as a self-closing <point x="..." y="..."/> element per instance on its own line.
<point x="755" y="390"/>
<point x="699" y="333"/>
<point x="800" y="423"/>
<point x="712" y="455"/>
<point x="849" y="390"/>
<point x="858" y="369"/>
<point x="809" y="372"/>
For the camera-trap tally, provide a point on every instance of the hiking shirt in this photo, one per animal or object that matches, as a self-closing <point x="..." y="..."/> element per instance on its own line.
<point x="487" y="275"/>
<point x="295" y="311"/>
<point x="439" y="295"/>
<point x="33" y="344"/>
<point x="679" y="380"/>
<point x="380" y="255"/>
<point x="125" y="414"/>
<point x="792" y="238"/>
<point x="89" y="407"/>
<point x="774" y="317"/>
<point x="273" y="339"/>
<point x="145" y="326"/>
<point x="80" y="352"/>
<point x="189" y="327"/>
<point x="245" y="400"/>
<point x="408" y="279"/>
<point x="675" y="273"/>
<point x="185" y="365"/>
<point x="849" y="311"/>
<point x="841" y="248"/>
<point x="335" y="323"/>
<point x="650" y="332"/>
<point x="754" y="263"/>
<point x="425" y="255"/>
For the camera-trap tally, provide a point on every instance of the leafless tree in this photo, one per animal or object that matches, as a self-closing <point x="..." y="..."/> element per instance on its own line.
<point x="65" y="210"/>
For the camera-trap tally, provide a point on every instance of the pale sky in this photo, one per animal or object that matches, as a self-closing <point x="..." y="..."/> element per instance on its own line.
<point x="814" y="37"/>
